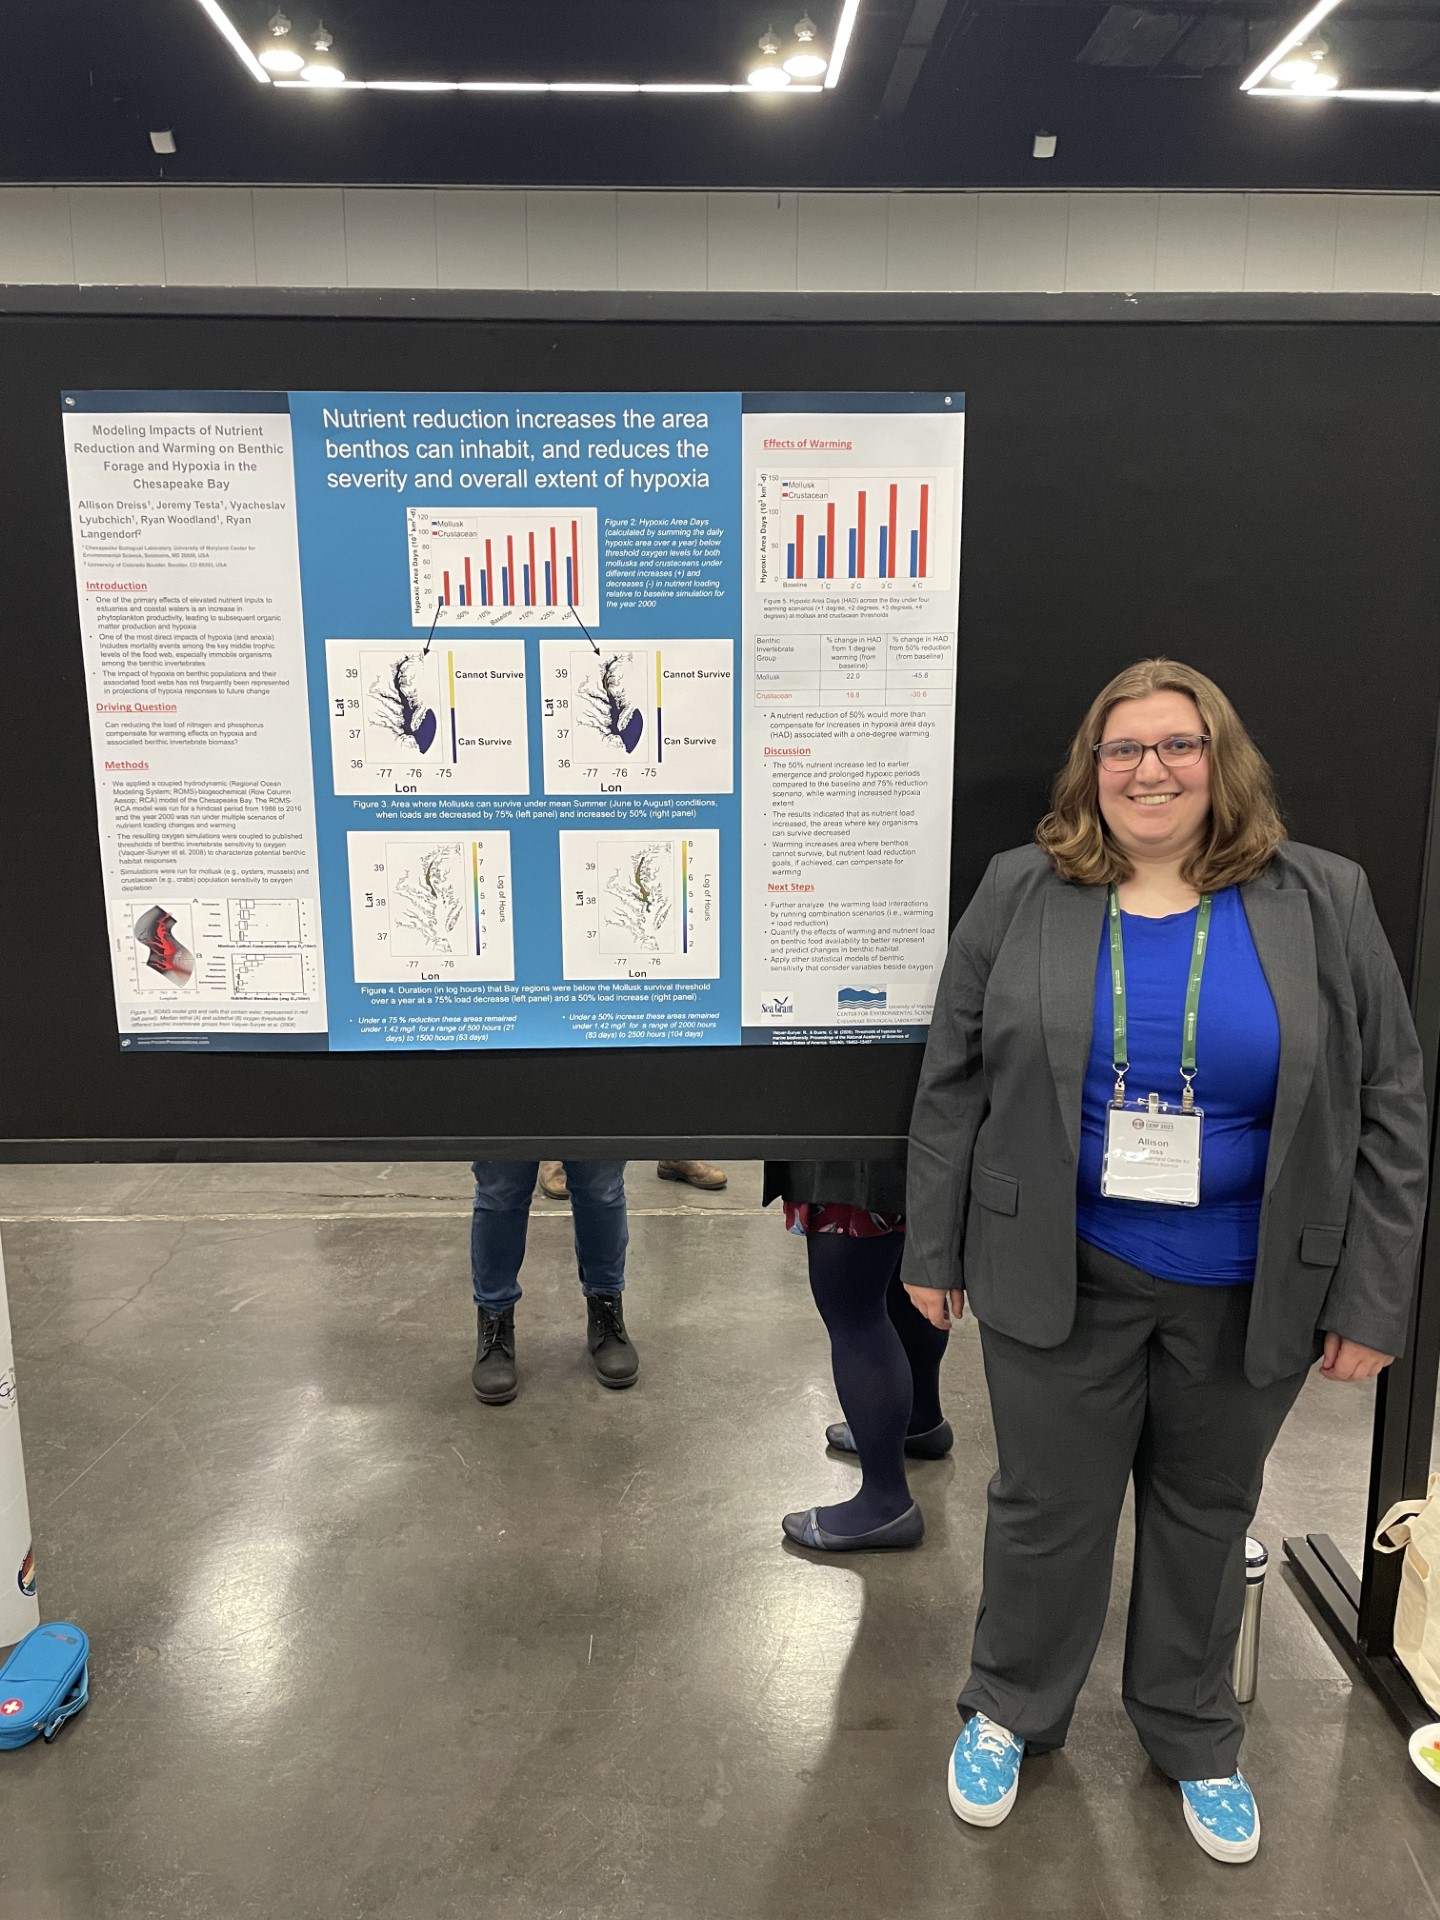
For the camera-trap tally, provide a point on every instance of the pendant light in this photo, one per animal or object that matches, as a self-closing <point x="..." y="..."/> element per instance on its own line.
<point x="767" y="75"/>
<point x="806" y="60"/>
<point x="278" y="56"/>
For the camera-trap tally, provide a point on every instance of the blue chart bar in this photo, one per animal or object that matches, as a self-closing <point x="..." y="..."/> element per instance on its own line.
<point x="549" y="586"/>
<point x="852" y="553"/>
<point x="505" y="585"/>
<point x="790" y="561"/>
<point x="914" y="555"/>
<point x="463" y="600"/>
<point x="484" y="588"/>
<point x="569" y="582"/>
<point x="884" y="551"/>
<point x="820" y="570"/>
<point x="529" y="602"/>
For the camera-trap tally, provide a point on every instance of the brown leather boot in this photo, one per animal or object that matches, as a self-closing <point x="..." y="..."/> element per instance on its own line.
<point x="695" y="1173"/>
<point x="553" y="1183"/>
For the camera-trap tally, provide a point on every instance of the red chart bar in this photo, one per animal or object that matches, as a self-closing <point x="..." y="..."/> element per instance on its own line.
<point x="553" y="597"/>
<point x="860" y="537"/>
<point x="489" y="576"/>
<point x="446" y="579"/>
<point x="533" y="595"/>
<point x="830" y="541"/>
<point x="510" y="571"/>
<point x="924" y="567"/>
<point x="469" y="590"/>
<point x="799" y="546"/>
<point x="579" y="599"/>
<point x="890" y="553"/>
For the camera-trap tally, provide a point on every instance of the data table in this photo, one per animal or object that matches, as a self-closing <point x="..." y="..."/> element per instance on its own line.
<point x="855" y="669"/>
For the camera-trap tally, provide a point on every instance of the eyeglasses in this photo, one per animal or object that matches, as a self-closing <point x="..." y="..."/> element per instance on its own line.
<point x="1126" y="756"/>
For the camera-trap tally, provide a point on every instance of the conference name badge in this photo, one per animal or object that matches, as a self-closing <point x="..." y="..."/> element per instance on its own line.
<point x="1152" y="1152"/>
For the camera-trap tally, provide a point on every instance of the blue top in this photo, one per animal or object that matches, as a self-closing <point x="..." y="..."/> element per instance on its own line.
<point x="1238" y="1056"/>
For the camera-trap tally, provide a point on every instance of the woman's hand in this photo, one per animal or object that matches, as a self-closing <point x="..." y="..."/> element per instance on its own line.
<point x="1348" y="1360"/>
<point x="938" y="1308"/>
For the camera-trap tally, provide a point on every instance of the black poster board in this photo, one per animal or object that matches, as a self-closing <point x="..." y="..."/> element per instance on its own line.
<point x="1257" y="496"/>
<point x="1251" y="485"/>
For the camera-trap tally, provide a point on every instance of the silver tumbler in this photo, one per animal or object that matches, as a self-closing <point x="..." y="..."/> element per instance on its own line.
<point x="1246" y="1671"/>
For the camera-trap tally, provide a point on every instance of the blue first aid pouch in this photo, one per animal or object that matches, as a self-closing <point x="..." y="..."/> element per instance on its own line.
<point x="44" y="1682"/>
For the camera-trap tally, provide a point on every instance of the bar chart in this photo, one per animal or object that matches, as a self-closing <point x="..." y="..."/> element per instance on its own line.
<point x="867" y="532"/>
<point x="503" y="567"/>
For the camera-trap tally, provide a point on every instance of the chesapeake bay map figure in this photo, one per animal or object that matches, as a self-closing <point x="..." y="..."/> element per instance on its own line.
<point x="400" y="703"/>
<point x="638" y="899"/>
<point x="604" y="705"/>
<point x="427" y="902"/>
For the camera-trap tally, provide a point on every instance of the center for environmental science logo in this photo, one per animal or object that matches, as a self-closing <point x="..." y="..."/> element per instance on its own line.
<point x="861" y="997"/>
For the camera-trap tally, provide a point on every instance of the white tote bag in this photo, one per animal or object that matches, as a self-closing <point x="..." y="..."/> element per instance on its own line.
<point x="1415" y="1526"/>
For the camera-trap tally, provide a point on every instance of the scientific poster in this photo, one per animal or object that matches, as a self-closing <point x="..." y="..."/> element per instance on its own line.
<point x="520" y="720"/>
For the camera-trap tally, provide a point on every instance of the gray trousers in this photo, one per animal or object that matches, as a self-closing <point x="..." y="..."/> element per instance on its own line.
<point x="1150" y="1384"/>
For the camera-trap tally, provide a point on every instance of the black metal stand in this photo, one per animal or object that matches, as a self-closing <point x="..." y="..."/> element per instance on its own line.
<point x="1359" y="1609"/>
<point x="1331" y="1587"/>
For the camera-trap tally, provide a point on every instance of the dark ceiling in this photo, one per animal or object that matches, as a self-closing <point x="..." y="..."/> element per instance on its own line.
<point x="935" y="93"/>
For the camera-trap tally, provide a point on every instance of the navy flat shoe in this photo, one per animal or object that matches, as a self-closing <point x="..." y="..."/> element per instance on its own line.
<point x="933" y="1444"/>
<point x="806" y="1531"/>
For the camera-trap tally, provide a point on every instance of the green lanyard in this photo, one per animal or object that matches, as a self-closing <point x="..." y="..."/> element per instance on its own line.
<point x="1121" y="1060"/>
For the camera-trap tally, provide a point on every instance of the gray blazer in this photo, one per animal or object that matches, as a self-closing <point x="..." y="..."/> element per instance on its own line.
<point x="995" y="1137"/>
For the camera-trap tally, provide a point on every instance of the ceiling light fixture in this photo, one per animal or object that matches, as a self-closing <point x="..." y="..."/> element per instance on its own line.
<point x="322" y="71"/>
<point x="277" y="56"/>
<point x="767" y="75"/>
<point x="807" y="61"/>
<point x="1389" y="96"/>
<point x="230" y="32"/>
<point x="842" y="42"/>
<point x="163" y="140"/>
<point x="1044" y="146"/>
<point x="1289" y="71"/>
<point x="1302" y="31"/>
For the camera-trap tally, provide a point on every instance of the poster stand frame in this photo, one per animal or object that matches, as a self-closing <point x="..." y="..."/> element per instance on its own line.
<point x="1359" y="1608"/>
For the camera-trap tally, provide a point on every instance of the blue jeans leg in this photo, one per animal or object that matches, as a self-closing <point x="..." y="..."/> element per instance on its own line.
<point x="602" y="1231"/>
<point x="497" y="1230"/>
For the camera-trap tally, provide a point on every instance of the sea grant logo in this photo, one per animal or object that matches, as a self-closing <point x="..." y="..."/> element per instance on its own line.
<point x="779" y="1007"/>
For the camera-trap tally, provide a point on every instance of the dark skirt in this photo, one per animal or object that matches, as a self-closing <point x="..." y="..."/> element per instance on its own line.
<point x="876" y="1185"/>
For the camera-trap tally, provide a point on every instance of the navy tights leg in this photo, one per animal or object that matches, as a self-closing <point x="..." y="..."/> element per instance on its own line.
<point x="850" y="1279"/>
<point x="924" y="1348"/>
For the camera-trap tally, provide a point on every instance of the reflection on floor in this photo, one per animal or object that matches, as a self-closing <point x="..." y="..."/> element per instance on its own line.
<point x="366" y="1648"/>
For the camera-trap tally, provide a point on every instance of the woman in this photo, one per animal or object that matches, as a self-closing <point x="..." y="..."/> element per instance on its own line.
<point x="886" y="1362"/>
<point x="1147" y="1307"/>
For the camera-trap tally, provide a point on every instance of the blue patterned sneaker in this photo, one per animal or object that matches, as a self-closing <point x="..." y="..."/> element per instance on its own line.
<point x="1223" y="1817"/>
<point x="984" y="1772"/>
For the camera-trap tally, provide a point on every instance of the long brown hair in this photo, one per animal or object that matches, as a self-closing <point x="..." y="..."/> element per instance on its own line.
<point x="1245" y="823"/>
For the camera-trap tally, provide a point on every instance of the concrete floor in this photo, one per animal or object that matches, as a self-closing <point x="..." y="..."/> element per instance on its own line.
<point x="364" y="1647"/>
